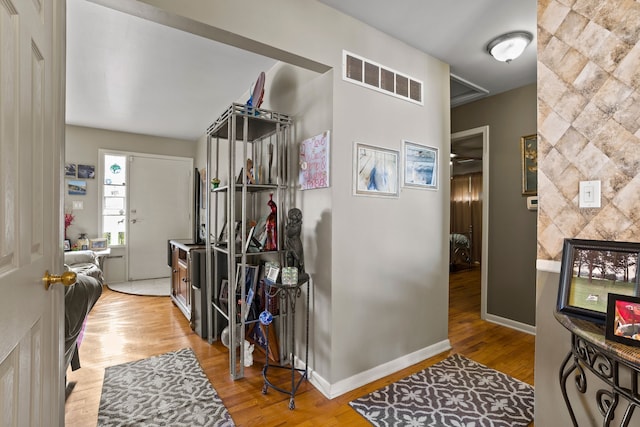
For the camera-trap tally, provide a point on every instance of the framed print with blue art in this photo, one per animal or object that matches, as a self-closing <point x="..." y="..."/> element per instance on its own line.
<point x="420" y="166"/>
<point x="375" y="171"/>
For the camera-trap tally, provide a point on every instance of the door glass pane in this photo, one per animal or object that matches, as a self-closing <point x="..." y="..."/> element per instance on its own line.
<point x="114" y="202"/>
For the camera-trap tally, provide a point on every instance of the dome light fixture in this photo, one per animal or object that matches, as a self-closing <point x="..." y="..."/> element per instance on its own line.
<point x="507" y="47"/>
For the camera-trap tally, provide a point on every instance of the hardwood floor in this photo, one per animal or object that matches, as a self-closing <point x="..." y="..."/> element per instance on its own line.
<point x="123" y="328"/>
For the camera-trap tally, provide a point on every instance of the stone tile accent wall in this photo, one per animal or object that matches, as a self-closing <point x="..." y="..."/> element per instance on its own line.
<point x="588" y="120"/>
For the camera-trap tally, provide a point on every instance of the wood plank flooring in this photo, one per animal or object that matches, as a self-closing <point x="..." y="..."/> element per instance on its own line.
<point x="123" y="328"/>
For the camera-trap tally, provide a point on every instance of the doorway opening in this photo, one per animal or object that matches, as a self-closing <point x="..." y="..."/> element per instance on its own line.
<point x="143" y="204"/>
<point x="469" y="200"/>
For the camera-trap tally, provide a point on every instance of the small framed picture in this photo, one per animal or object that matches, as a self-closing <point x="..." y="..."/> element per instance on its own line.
<point x="67" y="245"/>
<point x="623" y="319"/>
<point x="253" y="244"/>
<point x="224" y="233"/>
<point x="529" y="151"/>
<point x="420" y="166"/>
<point x="86" y="171"/>
<point x="77" y="188"/>
<point x="273" y="271"/>
<point x="70" y="170"/>
<point x="99" y="243"/>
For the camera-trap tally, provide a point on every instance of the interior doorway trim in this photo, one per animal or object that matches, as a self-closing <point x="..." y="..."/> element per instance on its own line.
<point x="482" y="131"/>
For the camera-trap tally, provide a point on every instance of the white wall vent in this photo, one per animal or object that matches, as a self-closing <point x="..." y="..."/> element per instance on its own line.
<point x="363" y="72"/>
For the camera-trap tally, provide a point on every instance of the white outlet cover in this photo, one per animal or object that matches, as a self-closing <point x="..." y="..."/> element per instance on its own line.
<point x="589" y="194"/>
<point x="78" y="204"/>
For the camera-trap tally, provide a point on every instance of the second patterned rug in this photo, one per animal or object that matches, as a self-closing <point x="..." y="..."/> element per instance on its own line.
<point x="454" y="392"/>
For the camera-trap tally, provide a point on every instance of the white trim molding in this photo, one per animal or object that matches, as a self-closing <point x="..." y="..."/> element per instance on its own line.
<point x="548" y="266"/>
<point x="518" y="326"/>
<point x="331" y="391"/>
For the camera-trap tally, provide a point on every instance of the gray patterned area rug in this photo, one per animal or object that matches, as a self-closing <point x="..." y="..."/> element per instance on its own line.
<point x="166" y="390"/>
<point x="456" y="392"/>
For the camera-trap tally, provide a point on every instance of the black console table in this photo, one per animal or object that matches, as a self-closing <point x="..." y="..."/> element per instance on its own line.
<point x="616" y="365"/>
<point x="289" y="294"/>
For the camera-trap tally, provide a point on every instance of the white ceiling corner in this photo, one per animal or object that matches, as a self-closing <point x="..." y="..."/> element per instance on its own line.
<point x="129" y="74"/>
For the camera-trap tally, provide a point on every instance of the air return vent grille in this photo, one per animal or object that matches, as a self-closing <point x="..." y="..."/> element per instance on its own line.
<point x="361" y="71"/>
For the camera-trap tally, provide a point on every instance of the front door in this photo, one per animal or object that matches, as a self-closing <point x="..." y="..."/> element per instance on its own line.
<point x="160" y="206"/>
<point x="31" y="136"/>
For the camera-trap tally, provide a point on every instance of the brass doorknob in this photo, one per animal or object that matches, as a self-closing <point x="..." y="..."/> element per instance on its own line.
<point x="67" y="278"/>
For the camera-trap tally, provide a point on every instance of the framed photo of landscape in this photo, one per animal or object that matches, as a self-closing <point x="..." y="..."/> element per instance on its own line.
<point x="593" y="269"/>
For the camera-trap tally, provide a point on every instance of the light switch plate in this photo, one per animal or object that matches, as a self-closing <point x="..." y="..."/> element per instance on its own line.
<point x="78" y="205"/>
<point x="589" y="194"/>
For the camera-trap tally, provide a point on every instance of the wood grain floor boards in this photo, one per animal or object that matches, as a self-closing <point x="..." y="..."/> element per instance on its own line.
<point x="123" y="328"/>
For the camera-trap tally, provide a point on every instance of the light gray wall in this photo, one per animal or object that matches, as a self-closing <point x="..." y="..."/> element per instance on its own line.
<point x="308" y="97"/>
<point x="82" y="145"/>
<point x="511" y="281"/>
<point x="385" y="260"/>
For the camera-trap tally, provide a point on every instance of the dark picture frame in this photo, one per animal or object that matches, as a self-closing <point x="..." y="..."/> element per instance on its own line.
<point x="593" y="269"/>
<point x="529" y="151"/>
<point x="67" y="245"/>
<point x="623" y="319"/>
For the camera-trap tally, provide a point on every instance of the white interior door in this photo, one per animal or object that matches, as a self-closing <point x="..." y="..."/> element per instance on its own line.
<point x="31" y="135"/>
<point x="160" y="205"/>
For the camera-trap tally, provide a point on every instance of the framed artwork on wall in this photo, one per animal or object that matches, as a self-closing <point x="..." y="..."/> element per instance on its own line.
<point x="314" y="162"/>
<point x="70" y="170"/>
<point x="375" y="171"/>
<point x="529" y="150"/>
<point x="591" y="270"/>
<point x="77" y="188"/>
<point x="86" y="171"/>
<point x="420" y="166"/>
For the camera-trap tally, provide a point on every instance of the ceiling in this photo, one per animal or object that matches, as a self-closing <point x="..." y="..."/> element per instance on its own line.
<point x="129" y="74"/>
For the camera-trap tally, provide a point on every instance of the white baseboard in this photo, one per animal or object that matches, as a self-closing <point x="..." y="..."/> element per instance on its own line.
<point x="343" y="386"/>
<point x="518" y="326"/>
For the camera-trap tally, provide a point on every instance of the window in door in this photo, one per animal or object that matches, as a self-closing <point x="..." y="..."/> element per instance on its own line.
<point x="114" y="199"/>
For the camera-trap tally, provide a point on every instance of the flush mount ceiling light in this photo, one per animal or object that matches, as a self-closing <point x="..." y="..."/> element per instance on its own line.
<point x="508" y="47"/>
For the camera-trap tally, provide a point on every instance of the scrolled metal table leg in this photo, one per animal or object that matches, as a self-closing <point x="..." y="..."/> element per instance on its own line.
<point x="564" y="375"/>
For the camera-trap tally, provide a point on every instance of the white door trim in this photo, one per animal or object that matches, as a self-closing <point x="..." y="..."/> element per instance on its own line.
<point x="484" y="132"/>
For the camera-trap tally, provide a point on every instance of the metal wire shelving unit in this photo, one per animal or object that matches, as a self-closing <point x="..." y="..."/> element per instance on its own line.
<point x="263" y="136"/>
